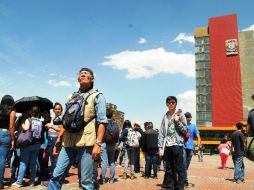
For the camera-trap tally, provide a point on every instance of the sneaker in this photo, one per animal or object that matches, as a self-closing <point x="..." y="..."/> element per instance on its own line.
<point x="44" y="183"/>
<point x="95" y="184"/>
<point x="16" y="185"/>
<point x="132" y="176"/>
<point x="237" y="181"/>
<point x="111" y="181"/>
<point x="124" y="175"/>
<point x="102" y="181"/>
<point x="187" y="185"/>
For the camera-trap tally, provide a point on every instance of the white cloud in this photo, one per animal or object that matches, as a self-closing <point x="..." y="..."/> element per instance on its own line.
<point x="61" y="83"/>
<point x="249" y="28"/>
<point x="184" y="37"/>
<point x="187" y="102"/>
<point x="145" y="64"/>
<point x="142" y="40"/>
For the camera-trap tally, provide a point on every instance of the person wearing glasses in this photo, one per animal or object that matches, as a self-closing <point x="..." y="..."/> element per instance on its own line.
<point x="170" y="142"/>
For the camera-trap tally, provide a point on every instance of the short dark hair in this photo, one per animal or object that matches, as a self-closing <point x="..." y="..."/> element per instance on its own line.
<point x="109" y="113"/>
<point x="171" y="98"/>
<point x="150" y="125"/>
<point x="239" y="125"/>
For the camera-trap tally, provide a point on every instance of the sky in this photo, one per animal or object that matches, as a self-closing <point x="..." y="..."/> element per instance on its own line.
<point x="141" y="51"/>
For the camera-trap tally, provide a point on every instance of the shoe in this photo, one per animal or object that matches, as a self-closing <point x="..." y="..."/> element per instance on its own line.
<point x="155" y="177"/>
<point x="237" y="181"/>
<point x="132" y="176"/>
<point x="243" y="181"/>
<point x="102" y="181"/>
<point x="95" y="184"/>
<point x="187" y="185"/>
<point x="44" y="183"/>
<point x="16" y="185"/>
<point x="111" y="181"/>
<point x="124" y="176"/>
<point x="31" y="184"/>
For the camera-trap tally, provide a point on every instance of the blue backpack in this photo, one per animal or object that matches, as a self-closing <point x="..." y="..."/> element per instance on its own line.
<point x="74" y="116"/>
<point x="112" y="133"/>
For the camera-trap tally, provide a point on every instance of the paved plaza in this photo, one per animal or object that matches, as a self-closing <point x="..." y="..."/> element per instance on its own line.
<point x="204" y="175"/>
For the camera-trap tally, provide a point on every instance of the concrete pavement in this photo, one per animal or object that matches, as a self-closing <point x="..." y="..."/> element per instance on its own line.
<point x="204" y="175"/>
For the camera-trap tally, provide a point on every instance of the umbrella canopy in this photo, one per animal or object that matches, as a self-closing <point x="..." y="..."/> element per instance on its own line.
<point x="26" y="103"/>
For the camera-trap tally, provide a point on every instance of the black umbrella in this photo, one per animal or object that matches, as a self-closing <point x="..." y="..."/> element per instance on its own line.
<point x="26" y="103"/>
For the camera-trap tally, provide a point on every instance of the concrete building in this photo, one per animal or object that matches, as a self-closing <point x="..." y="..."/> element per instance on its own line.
<point x="224" y="72"/>
<point x="118" y="116"/>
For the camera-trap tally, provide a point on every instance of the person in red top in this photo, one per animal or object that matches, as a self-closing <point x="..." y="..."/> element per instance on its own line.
<point x="224" y="150"/>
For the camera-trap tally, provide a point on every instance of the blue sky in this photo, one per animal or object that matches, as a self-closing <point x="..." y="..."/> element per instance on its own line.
<point x="140" y="50"/>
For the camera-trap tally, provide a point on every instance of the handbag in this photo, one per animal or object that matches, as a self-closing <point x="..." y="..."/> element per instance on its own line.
<point x="250" y="148"/>
<point x="24" y="138"/>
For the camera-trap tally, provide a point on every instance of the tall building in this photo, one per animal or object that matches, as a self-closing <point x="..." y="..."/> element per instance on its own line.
<point x="224" y="72"/>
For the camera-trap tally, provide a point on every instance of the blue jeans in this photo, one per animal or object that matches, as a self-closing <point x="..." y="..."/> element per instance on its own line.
<point x="187" y="155"/>
<point x="29" y="155"/>
<point x="151" y="159"/>
<point x="5" y="140"/>
<point x="239" y="168"/>
<point x="108" y="157"/>
<point x="129" y="155"/>
<point x="15" y="160"/>
<point x="53" y="158"/>
<point x="67" y="154"/>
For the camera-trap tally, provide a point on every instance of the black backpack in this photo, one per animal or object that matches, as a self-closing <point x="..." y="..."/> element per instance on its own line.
<point x="112" y="133"/>
<point x="74" y="116"/>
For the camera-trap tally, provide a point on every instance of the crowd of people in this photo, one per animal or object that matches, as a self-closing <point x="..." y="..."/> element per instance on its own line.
<point x="87" y="136"/>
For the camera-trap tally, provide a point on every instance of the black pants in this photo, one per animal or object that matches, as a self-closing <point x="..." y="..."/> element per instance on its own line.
<point x="174" y="168"/>
<point x="43" y="158"/>
<point x="137" y="160"/>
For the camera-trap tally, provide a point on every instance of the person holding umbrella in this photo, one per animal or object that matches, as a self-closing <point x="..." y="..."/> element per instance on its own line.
<point x="7" y="120"/>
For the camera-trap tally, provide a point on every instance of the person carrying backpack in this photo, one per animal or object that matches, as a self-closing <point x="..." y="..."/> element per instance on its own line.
<point x="133" y="143"/>
<point x="111" y="137"/>
<point x="29" y="153"/>
<point x="84" y="123"/>
<point x="170" y="142"/>
<point x="123" y="140"/>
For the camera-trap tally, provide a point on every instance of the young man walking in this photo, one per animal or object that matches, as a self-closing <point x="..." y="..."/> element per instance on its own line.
<point x="189" y="146"/>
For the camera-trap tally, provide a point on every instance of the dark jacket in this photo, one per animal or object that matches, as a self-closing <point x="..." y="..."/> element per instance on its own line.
<point x="150" y="141"/>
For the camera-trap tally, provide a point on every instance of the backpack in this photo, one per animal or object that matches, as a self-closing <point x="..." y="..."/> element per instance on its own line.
<point x="187" y="136"/>
<point x="36" y="127"/>
<point x="74" y="115"/>
<point x="133" y="138"/>
<point x="112" y="133"/>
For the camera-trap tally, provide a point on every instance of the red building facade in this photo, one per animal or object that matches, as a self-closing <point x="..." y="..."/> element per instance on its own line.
<point x="226" y="88"/>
